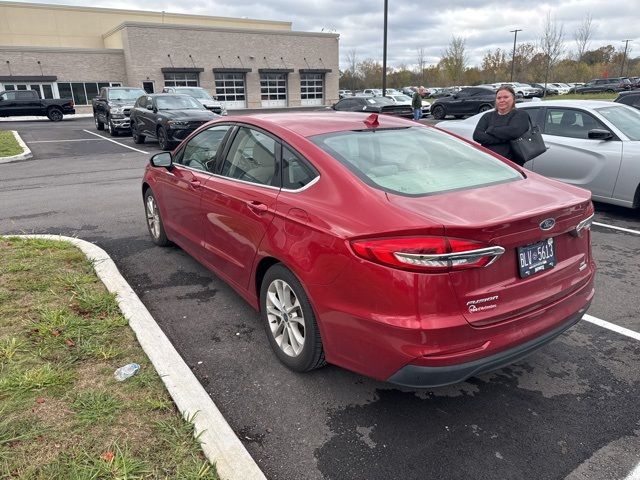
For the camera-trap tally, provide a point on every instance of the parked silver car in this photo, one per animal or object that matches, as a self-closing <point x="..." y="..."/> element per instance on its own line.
<point x="592" y="144"/>
<point x="201" y="95"/>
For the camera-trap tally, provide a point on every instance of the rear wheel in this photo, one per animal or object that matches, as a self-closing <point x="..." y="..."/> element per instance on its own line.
<point x="154" y="220"/>
<point x="438" y="112"/>
<point x="99" y="124"/>
<point x="289" y="320"/>
<point x="54" y="114"/>
<point x="137" y="137"/>
<point x="163" y="139"/>
<point x="610" y="90"/>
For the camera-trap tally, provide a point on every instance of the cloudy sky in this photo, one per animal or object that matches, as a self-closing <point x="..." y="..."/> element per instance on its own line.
<point x="430" y="25"/>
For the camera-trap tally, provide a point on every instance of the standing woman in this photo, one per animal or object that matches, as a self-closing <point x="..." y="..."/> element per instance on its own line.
<point x="497" y="128"/>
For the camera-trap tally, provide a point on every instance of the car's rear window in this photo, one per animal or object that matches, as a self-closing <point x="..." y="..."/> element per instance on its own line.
<point x="414" y="160"/>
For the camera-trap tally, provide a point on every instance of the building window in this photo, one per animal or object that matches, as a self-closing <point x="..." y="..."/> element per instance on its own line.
<point x="311" y="88"/>
<point x="82" y="92"/>
<point x="186" y="79"/>
<point x="230" y="89"/>
<point x="273" y="89"/>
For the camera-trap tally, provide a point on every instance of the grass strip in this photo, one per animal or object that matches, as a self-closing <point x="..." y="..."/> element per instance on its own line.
<point x="9" y="146"/>
<point x="62" y="414"/>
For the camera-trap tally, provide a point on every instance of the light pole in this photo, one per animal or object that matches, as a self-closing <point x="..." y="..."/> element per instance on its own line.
<point x="624" y="56"/>
<point x="384" y="51"/>
<point x="513" y="57"/>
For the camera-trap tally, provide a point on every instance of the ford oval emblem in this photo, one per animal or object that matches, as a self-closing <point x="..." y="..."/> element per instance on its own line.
<point x="547" y="224"/>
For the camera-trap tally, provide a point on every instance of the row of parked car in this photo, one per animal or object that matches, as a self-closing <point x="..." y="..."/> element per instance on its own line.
<point x="169" y="116"/>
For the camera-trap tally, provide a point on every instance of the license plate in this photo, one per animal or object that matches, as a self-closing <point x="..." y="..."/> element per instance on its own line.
<point x="536" y="258"/>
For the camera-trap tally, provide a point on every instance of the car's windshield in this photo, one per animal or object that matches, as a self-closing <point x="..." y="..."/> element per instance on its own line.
<point x="178" y="102"/>
<point x="625" y="119"/>
<point x="414" y="161"/>
<point x="195" y="93"/>
<point x="125" y="93"/>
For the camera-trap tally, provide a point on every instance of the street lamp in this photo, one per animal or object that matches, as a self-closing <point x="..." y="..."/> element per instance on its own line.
<point x="384" y="51"/>
<point x="513" y="57"/>
<point x="624" y="56"/>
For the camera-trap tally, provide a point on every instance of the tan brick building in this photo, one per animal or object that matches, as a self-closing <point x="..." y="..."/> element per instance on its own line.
<point x="64" y="51"/>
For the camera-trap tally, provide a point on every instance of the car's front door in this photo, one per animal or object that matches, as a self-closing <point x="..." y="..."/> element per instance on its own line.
<point x="239" y="203"/>
<point x="574" y="158"/>
<point x="182" y="188"/>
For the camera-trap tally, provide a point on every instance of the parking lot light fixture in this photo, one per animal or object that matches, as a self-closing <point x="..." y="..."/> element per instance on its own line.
<point x="513" y="57"/>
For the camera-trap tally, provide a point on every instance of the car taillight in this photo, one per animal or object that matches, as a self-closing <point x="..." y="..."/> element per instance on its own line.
<point x="427" y="254"/>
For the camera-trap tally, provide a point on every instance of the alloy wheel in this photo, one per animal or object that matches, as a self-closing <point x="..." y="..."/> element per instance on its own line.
<point x="285" y="317"/>
<point x="153" y="217"/>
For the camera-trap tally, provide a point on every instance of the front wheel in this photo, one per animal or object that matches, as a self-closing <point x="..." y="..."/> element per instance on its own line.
<point x="111" y="128"/>
<point x="99" y="124"/>
<point x="289" y="320"/>
<point x="137" y="137"/>
<point x="54" y="114"/>
<point x="484" y="108"/>
<point x="154" y="220"/>
<point x="438" y="112"/>
<point x="163" y="139"/>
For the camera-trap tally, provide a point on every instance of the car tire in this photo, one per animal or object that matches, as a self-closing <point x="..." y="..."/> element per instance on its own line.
<point x="163" y="139"/>
<point x="137" y="137"/>
<point x="154" y="220"/>
<point x="289" y="321"/>
<point x="54" y="114"/>
<point x="609" y="90"/>
<point x="99" y="124"/>
<point x="111" y="128"/>
<point x="438" y="112"/>
<point x="484" y="108"/>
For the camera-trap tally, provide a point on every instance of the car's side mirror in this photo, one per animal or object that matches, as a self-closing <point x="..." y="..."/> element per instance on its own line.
<point x="162" y="159"/>
<point x="149" y="107"/>
<point x="600" y="134"/>
<point x="454" y="96"/>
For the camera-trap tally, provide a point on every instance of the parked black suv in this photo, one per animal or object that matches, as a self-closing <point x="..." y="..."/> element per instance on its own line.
<point x="112" y="107"/>
<point x="373" y="105"/>
<point x="608" y="85"/>
<point x="467" y="101"/>
<point x="169" y="118"/>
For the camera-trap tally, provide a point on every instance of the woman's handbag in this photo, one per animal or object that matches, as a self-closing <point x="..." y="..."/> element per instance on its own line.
<point x="528" y="146"/>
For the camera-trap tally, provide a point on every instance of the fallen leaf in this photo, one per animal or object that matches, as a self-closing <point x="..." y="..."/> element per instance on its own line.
<point x="107" y="456"/>
<point x="39" y="400"/>
<point x="56" y="333"/>
<point x="70" y="343"/>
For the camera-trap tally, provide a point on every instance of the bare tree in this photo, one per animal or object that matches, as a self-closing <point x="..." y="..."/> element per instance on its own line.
<point x="422" y="63"/>
<point x="352" y="62"/>
<point x="551" y="44"/>
<point x="454" y="59"/>
<point x="583" y="35"/>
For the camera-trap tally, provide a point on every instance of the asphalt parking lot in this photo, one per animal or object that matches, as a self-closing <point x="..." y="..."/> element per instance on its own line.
<point x="570" y="410"/>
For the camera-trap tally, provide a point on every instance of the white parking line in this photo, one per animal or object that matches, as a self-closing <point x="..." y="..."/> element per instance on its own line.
<point x="117" y="143"/>
<point x="634" y="474"/>
<point x="628" y="230"/>
<point x="71" y="140"/>
<point x="612" y="326"/>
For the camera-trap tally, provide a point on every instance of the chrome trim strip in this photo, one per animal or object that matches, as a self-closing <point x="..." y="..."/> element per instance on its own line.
<point x="450" y="257"/>
<point x="583" y="225"/>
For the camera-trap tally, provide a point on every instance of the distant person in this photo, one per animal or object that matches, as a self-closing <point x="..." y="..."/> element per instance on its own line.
<point x="497" y="128"/>
<point x="416" y="103"/>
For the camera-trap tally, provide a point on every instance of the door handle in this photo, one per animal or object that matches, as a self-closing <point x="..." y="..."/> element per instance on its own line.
<point x="257" y="207"/>
<point x="194" y="182"/>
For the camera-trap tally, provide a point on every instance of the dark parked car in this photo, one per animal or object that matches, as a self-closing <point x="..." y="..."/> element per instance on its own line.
<point x="608" y="85"/>
<point x="467" y="101"/>
<point x="388" y="248"/>
<point x="20" y="103"/>
<point x="112" y="107"/>
<point x="631" y="98"/>
<point x="550" y="90"/>
<point x="169" y="118"/>
<point x="373" y="105"/>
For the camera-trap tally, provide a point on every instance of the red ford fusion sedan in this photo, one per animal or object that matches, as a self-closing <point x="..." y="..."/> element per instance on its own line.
<point x="377" y="244"/>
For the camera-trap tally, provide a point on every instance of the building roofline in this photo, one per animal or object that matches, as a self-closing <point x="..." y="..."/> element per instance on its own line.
<point x="50" y="6"/>
<point x="31" y="48"/>
<point x="174" y="26"/>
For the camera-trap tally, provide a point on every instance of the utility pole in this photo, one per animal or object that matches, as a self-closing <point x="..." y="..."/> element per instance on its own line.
<point x="513" y="57"/>
<point x="624" y="56"/>
<point x="384" y="51"/>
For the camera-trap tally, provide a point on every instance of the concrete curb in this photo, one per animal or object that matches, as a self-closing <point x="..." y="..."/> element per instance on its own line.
<point x="26" y="152"/>
<point x="219" y="442"/>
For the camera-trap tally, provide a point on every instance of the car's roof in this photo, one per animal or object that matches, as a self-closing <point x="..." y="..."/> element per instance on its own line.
<point x="308" y="124"/>
<point x="568" y="103"/>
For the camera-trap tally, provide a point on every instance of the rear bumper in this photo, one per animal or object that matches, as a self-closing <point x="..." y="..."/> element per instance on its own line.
<point x="415" y="376"/>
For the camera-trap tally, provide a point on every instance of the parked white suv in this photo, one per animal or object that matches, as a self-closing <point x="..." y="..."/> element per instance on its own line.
<point x="524" y="89"/>
<point x="201" y="95"/>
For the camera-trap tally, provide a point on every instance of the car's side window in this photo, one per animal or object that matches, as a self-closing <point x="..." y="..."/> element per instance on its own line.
<point x="252" y="158"/>
<point x="142" y="102"/>
<point x="200" y="152"/>
<point x="9" y="96"/>
<point x="534" y="114"/>
<point x="296" y="173"/>
<point x="570" y="123"/>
